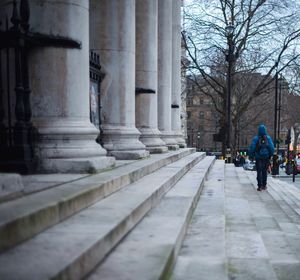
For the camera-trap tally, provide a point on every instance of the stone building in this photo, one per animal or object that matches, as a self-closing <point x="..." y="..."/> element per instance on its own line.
<point x="204" y="121"/>
<point x="139" y="48"/>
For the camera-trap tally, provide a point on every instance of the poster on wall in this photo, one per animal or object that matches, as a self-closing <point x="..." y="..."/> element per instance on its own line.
<point x="94" y="103"/>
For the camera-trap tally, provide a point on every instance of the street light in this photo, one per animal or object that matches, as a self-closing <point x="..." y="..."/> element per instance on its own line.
<point x="198" y="141"/>
<point x="280" y="82"/>
<point x="229" y="31"/>
<point x="275" y="169"/>
<point x="277" y="116"/>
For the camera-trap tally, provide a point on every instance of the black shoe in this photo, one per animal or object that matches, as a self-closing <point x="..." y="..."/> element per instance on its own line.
<point x="258" y="189"/>
<point x="264" y="188"/>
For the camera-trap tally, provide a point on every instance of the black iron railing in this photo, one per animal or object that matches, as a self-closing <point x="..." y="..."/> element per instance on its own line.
<point x="95" y="91"/>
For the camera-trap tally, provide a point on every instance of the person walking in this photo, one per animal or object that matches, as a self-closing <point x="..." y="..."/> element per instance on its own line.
<point x="261" y="149"/>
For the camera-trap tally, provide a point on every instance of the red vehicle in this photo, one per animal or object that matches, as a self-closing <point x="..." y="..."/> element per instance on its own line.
<point x="298" y="165"/>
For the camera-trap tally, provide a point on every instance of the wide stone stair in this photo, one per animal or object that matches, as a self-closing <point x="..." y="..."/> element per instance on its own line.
<point x="65" y="232"/>
<point x="179" y="215"/>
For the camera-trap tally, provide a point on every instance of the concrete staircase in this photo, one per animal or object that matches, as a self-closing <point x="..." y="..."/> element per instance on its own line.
<point x="66" y="231"/>
<point x="180" y="215"/>
<point x="150" y="250"/>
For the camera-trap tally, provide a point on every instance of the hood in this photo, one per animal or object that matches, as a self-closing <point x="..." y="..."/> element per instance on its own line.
<point x="262" y="130"/>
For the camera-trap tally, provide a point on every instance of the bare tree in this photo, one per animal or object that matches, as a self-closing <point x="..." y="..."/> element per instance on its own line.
<point x="264" y="41"/>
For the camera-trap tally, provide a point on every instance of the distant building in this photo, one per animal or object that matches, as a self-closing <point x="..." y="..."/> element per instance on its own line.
<point x="203" y="121"/>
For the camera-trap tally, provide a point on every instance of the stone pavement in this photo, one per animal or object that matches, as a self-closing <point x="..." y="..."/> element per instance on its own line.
<point x="180" y="215"/>
<point x="239" y="233"/>
<point x="288" y="178"/>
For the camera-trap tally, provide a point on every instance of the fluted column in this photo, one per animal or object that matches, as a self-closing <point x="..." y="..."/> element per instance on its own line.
<point x="112" y="34"/>
<point x="60" y="90"/>
<point x="165" y="72"/>
<point x="176" y="73"/>
<point x="146" y="75"/>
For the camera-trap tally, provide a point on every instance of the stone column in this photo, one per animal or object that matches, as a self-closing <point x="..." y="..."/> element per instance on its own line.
<point x="176" y="73"/>
<point x="112" y="34"/>
<point x="60" y="90"/>
<point x="165" y="72"/>
<point x="146" y="75"/>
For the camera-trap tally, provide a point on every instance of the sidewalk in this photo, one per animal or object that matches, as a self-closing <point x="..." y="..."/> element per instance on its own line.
<point x="239" y="233"/>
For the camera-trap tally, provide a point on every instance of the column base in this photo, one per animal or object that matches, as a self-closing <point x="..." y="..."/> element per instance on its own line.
<point x="181" y="142"/>
<point x="182" y="145"/>
<point x="169" y="139"/>
<point x="123" y="142"/>
<point x="177" y="135"/>
<point x="68" y="145"/>
<point x="173" y="147"/>
<point x="151" y="139"/>
<point x="76" y="165"/>
<point x="157" y="150"/>
<point x="123" y="155"/>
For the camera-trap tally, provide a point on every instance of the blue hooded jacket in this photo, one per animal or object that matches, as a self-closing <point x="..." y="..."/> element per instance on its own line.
<point x="253" y="153"/>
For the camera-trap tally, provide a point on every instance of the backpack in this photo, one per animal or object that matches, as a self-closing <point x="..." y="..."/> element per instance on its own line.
<point x="262" y="146"/>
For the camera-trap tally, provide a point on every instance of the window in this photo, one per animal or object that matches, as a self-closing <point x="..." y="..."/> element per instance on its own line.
<point x="189" y="101"/>
<point x="208" y="101"/>
<point x="196" y="100"/>
<point x="189" y="114"/>
<point x="201" y="114"/>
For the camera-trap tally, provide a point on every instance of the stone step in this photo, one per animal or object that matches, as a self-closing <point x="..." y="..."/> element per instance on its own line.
<point x="283" y="189"/>
<point x="280" y="235"/>
<point x="72" y="248"/>
<point x="285" y="204"/>
<point x="290" y="191"/>
<point x="150" y="250"/>
<point x="285" y="200"/>
<point x="22" y="218"/>
<point x="203" y="253"/>
<point x="272" y="206"/>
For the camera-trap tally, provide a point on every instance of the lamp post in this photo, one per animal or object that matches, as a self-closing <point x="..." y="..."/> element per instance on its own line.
<point x="275" y="169"/>
<point x="280" y="82"/>
<point x="229" y="30"/>
<point x="275" y="109"/>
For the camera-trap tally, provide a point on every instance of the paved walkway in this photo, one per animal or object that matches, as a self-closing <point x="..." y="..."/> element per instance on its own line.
<point x="239" y="233"/>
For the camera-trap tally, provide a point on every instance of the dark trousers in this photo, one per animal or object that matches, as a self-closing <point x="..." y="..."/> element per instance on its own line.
<point x="261" y="169"/>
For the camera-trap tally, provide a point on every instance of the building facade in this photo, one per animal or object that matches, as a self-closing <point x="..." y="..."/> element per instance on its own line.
<point x="203" y="121"/>
<point x="138" y="46"/>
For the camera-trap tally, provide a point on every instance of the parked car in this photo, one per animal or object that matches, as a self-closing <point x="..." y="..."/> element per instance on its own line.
<point x="298" y="165"/>
<point x="289" y="167"/>
<point x="249" y="165"/>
